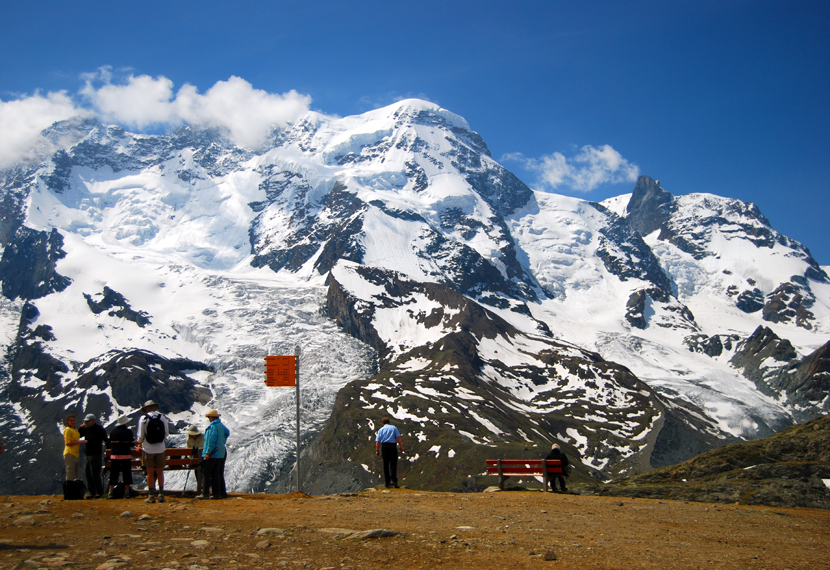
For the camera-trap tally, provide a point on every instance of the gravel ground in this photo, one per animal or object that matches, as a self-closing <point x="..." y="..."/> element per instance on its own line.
<point x="412" y="529"/>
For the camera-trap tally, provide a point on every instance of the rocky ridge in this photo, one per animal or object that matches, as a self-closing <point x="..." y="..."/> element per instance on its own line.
<point x="790" y="469"/>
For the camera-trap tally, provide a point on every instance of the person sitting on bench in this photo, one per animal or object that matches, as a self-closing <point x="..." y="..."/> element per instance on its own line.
<point x="122" y="441"/>
<point x="556" y="453"/>
<point x="196" y="442"/>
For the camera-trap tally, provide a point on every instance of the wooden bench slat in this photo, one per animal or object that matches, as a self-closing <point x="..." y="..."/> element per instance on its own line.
<point x="506" y="468"/>
<point x="523" y="461"/>
<point x="523" y="471"/>
<point x="176" y="457"/>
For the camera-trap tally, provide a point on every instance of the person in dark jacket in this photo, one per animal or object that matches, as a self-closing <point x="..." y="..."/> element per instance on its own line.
<point x="96" y="438"/>
<point x="122" y="441"/>
<point x="556" y="453"/>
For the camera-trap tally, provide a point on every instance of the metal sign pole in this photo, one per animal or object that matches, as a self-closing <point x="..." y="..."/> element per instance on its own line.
<point x="297" y="367"/>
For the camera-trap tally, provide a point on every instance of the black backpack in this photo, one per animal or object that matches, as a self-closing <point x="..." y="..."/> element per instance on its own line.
<point x="155" y="429"/>
<point x="73" y="490"/>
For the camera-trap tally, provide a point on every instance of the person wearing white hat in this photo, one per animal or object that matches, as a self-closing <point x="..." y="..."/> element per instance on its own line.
<point x="196" y="442"/>
<point x="96" y="439"/>
<point x="153" y="430"/>
<point x="556" y="453"/>
<point x="121" y="457"/>
<point x="214" y="454"/>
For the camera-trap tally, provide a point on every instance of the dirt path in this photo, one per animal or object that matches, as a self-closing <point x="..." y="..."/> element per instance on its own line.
<point x="510" y="530"/>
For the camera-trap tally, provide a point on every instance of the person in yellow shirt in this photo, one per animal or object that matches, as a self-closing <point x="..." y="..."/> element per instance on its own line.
<point x="72" y="448"/>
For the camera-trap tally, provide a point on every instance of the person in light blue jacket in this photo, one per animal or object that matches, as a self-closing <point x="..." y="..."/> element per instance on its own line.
<point x="213" y="454"/>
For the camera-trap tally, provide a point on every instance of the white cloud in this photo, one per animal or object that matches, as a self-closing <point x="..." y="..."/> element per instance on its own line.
<point x="588" y="169"/>
<point x="142" y="101"/>
<point x="22" y="120"/>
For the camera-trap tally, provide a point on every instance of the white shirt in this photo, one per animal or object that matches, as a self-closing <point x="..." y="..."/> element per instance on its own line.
<point x="152" y="448"/>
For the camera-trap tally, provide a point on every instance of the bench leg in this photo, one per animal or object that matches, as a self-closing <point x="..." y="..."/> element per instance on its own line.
<point x="502" y="479"/>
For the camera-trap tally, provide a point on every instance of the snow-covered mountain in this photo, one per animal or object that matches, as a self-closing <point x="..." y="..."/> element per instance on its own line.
<point x="421" y="280"/>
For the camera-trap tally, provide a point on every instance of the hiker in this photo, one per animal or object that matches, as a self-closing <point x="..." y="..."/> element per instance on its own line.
<point x="385" y="443"/>
<point x="214" y="454"/>
<point x="96" y="439"/>
<point x="196" y="442"/>
<point x="556" y="453"/>
<point x="152" y="431"/>
<point x="72" y="448"/>
<point x="121" y="457"/>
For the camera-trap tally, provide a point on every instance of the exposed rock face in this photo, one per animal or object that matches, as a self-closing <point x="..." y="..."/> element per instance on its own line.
<point x="783" y="470"/>
<point x="110" y="146"/>
<point x="804" y="381"/>
<point x="711" y="345"/>
<point x="750" y="301"/>
<point x="652" y="305"/>
<point x="117" y="306"/>
<point x="684" y="433"/>
<point x="27" y="267"/>
<point x="137" y="376"/>
<point x="626" y="255"/>
<point x="790" y="302"/>
<point x="689" y="222"/>
<point x="15" y="185"/>
<point x="650" y="206"/>
<point x="335" y="229"/>
<point x="636" y="309"/>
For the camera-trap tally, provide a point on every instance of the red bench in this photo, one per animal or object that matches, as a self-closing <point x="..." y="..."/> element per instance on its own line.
<point x="175" y="458"/>
<point x="506" y="468"/>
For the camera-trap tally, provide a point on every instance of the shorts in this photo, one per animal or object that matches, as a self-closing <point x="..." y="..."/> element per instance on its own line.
<point x="153" y="460"/>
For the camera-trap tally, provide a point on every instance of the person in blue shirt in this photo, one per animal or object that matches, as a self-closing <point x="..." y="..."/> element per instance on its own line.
<point x="386" y="446"/>
<point x="213" y="454"/>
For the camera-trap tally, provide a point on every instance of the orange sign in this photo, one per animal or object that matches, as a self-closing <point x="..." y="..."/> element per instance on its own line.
<point x="280" y="370"/>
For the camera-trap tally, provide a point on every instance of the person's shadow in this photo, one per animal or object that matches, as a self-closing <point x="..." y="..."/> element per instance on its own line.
<point x="6" y="546"/>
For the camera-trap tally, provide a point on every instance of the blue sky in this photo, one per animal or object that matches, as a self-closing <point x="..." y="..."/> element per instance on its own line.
<point x="727" y="97"/>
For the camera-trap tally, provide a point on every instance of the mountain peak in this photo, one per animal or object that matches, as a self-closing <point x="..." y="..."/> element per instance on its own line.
<point x="418" y="111"/>
<point x="649" y="206"/>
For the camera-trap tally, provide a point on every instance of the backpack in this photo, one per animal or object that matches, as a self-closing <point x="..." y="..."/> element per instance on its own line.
<point x="155" y="429"/>
<point x="118" y="491"/>
<point x="73" y="490"/>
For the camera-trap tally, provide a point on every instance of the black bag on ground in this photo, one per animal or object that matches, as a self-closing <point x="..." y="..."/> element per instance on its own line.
<point x="73" y="490"/>
<point x="118" y="491"/>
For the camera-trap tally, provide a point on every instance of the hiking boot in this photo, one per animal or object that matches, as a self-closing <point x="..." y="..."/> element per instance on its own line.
<point x="126" y="493"/>
<point x="111" y="494"/>
<point x="202" y="497"/>
<point x="161" y="497"/>
<point x="150" y="499"/>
